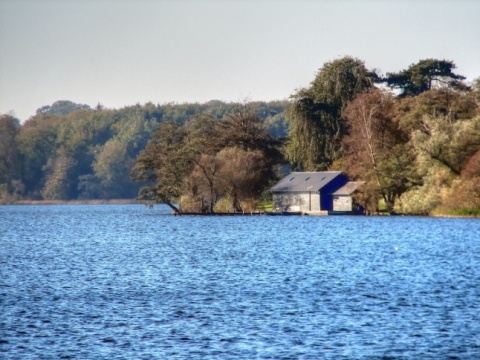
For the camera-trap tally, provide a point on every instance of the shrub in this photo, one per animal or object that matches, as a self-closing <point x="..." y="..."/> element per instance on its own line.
<point x="464" y="197"/>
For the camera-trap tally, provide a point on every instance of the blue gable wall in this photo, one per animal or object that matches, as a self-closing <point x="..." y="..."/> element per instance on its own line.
<point x="326" y="198"/>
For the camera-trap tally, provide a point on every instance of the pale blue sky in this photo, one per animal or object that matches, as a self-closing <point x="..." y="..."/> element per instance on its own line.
<point x="123" y="52"/>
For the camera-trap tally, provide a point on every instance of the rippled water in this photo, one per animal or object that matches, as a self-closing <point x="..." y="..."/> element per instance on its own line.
<point x="129" y="282"/>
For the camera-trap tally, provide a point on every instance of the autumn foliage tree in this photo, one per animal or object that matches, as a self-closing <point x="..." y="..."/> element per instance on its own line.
<point x="376" y="150"/>
<point x="464" y="196"/>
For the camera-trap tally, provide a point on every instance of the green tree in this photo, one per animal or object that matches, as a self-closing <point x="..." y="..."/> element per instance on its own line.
<point x="276" y="126"/>
<point x="10" y="161"/>
<point x="112" y="167"/>
<point x="202" y="134"/>
<point x="423" y="76"/>
<point x="81" y="133"/>
<point x="316" y="124"/>
<point x="163" y="165"/>
<point x="114" y="160"/>
<point x="37" y="144"/>
<point x="243" y="128"/>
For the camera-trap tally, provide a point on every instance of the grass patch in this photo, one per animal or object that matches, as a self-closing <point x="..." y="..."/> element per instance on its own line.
<point x="265" y="206"/>
<point x="466" y="212"/>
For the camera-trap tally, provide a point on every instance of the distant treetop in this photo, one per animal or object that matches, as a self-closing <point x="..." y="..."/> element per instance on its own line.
<point x="61" y="107"/>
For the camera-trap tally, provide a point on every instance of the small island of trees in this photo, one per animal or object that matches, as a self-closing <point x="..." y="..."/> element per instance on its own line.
<point x="413" y="137"/>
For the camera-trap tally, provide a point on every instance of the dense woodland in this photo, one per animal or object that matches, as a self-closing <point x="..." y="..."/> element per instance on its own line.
<point x="69" y="151"/>
<point x="412" y="136"/>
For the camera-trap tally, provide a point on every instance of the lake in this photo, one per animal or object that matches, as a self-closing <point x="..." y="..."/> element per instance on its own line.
<point x="129" y="282"/>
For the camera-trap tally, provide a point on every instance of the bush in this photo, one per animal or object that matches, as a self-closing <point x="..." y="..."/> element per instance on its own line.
<point x="464" y="197"/>
<point x="420" y="201"/>
<point x="224" y="205"/>
<point x="189" y="204"/>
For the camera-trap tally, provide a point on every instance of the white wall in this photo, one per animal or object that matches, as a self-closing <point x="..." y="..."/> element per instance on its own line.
<point x="305" y="201"/>
<point x="342" y="203"/>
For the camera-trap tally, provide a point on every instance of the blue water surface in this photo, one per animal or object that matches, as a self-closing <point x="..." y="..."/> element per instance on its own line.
<point x="128" y="282"/>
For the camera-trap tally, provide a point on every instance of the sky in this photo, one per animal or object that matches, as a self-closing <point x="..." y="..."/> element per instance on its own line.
<point x="123" y="52"/>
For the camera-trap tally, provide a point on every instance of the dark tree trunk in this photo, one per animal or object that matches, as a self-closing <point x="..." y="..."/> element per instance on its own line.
<point x="236" y="205"/>
<point x="173" y="207"/>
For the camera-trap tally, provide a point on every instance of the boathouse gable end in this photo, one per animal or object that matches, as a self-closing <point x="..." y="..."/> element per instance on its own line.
<point x="342" y="198"/>
<point x="307" y="192"/>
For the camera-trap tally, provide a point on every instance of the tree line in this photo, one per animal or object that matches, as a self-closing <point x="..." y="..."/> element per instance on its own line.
<point x="412" y="136"/>
<point x="69" y="151"/>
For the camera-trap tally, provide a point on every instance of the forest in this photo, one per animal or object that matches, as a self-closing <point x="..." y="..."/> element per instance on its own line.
<point x="412" y="136"/>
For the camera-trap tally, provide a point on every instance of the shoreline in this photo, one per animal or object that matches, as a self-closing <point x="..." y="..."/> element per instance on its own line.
<point x="135" y="202"/>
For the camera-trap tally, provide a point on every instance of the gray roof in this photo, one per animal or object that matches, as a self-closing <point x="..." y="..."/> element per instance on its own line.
<point x="349" y="188"/>
<point x="305" y="181"/>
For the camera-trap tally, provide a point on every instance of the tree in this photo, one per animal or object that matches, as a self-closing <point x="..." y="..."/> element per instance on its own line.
<point x="448" y="143"/>
<point x="444" y="131"/>
<point x="464" y="195"/>
<point x="163" y="165"/>
<point x="442" y="102"/>
<point x="276" y="126"/>
<point x="203" y="184"/>
<point x="112" y="168"/>
<point x="196" y="163"/>
<point x="316" y="124"/>
<point x="58" y="182"/>
<point x="37" y="145"/>
<point x="472" y="167"/>
<point x="376" y="150"/>
<point x="114" y="159"/>
<point x="202" y="134"/>
<point x="218" y="148"/>
<point x="423" y="76"/>
<point x="243" y="174"/>
<point x="10" y="161"/>
<point x="243" y="128"/>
